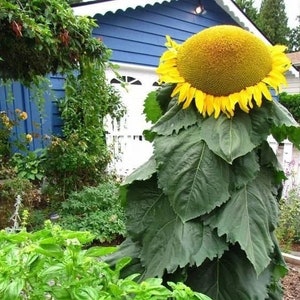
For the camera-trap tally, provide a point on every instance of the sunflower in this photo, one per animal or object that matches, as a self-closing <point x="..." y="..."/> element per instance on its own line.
<point x="223" y="66"/>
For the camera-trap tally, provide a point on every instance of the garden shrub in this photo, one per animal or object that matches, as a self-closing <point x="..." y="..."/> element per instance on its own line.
<point x="292" y="103"/>
<point x="55" y="264"/>
<point x="80" y="156"/>
<point x="288" y="231"/>
<point x="9" y="190"/>
<point x="95" y="209"/>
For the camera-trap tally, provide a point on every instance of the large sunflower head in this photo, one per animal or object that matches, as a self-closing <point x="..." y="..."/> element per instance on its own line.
<point x="223" y="66"/>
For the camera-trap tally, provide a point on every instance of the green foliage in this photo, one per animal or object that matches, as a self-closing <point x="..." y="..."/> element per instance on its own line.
<point x="52" y="264"/>
<point x="247" y="6"/>
<point x="273" y="21"/>
<point x="292" y="103"/>
<point x="28" y="165"/>
<point x="5" y="132"/>
<point x="205" y="206"/>
<point x="95" y="209"/>
<point x="43" y="36"/>
<point x="10" y="188"/>
<point x="81" y="156"/>
<point x="288" y="231"/>
<point x="294" y="38"/>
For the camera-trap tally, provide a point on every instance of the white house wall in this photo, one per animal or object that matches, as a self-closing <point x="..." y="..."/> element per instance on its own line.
<point x="125" y="138"/>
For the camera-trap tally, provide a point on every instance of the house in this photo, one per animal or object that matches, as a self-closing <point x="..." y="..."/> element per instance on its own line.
<point x="294" y="81"/>
<point x="135" y="30"/>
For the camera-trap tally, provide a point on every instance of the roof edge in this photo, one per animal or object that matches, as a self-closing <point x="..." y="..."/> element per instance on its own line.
<point x="102" y="7"/>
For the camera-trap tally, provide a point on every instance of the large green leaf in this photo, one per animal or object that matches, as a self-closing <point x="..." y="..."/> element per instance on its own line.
<point x="194" y="178"/>
<point x="163" y="96"/>
<point x="228" y="138"/>
<point x="152" y="108"/>
<point x="144" y="198"/>
<point x="211" y="245"/>
<point x="170" y="244"/>
<point x="152" y="221"/>
<point x="281" y="116"/>
<point x="127" y="249"/>
<point x="284" y="125"/>
<point x="176" y="119"/>
<point x="269" y="159"/>
<point x="244" y="169"/>
<point x="247" y="218"/>
<point x="143" y="172"/>
<point x="261" y="122"/>
<point x="231" y="277"/>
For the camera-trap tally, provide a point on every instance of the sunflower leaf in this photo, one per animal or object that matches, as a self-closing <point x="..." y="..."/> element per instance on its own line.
<point x="228" y="138"/>
<point x="176" y="119"/>
<point x="211" y="245"/>
<point x="163" y="96"/>
<point x="244" y="170"/>
<point x="170" y="235"/>
<point x="254" y="209"/>
<point x="284" y="125"/>
<point x="153" y="223"/>
<point x="193" y="177"/>
<point x="188" y="243"/>
<point x="281" y="116"/>
<point x="143" y="199"/>
<point x="143" y="172"/>
<point x="225" y="278"/>
<point x="152" y="109"/>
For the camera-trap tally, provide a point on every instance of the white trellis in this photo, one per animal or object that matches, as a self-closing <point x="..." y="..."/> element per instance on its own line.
<point x="289" y="158"/>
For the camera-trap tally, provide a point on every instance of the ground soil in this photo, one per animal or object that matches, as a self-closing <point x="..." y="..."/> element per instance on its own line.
<point x="291" y="282"/>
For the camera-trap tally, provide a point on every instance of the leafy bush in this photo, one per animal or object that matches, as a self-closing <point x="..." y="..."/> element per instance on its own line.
<point x="95" y="209"/>
<point x="292" y="103"/>
<point x="52" y="264"/>
<point x="80" y="157"/>
<point x="288" y="230"/>
<point x="9" y="190"/>
<point x="28" y="165"/>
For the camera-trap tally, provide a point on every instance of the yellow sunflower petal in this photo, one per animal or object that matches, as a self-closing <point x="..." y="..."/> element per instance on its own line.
<point x="183" y="93"/>
<point x="167" y="55"/>
<point x="209" y="101"/>
<point x="199" y="100"/>
<point x="243" y="102"/>
<point x="262" y="86"/>
<point x="217" y="106"/>
<point x="257" y="96"/>
<point x="189" y="98"/>
<point x="176" y="89"/>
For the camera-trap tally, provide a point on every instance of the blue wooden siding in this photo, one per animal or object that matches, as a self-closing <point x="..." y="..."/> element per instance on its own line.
<point x="137" y="36"/>
<point x="39" y="124"/>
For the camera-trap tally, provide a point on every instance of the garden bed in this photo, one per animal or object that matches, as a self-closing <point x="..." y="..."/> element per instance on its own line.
<point x="291" y="283"/>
